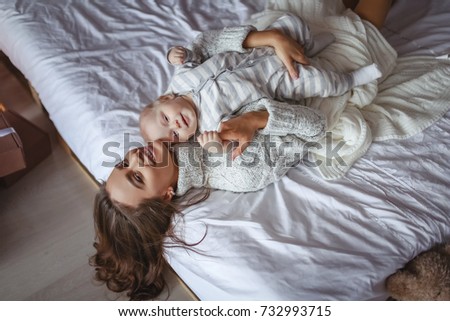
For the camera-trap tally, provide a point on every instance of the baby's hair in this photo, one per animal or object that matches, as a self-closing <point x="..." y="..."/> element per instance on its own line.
<point x="161" y="99"/>
<point x="131" y="242"/>
<point x="167" y="97"/>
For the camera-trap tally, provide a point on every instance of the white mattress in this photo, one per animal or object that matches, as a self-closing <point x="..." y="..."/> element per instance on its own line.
<point x="96" y="65"/>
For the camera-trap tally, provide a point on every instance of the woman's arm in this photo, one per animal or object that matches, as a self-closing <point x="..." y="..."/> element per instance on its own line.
<point x="274" y="118"/>
<point x="243" y="38"/>
<point x="289" y="119"/>
<point x="210" y="43"/>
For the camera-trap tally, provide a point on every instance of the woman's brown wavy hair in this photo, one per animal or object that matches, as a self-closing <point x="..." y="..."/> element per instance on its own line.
<point x="130" y="243"/>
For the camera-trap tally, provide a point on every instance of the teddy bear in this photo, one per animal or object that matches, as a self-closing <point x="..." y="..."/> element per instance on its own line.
<point x="424" y="278"/>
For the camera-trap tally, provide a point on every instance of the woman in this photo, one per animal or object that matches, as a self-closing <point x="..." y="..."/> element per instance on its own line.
<point x="135" y="208"/>
<point x="133" y="215"/>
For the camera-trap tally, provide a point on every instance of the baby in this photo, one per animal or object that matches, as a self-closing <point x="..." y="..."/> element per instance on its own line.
<point x="216" y="77"/>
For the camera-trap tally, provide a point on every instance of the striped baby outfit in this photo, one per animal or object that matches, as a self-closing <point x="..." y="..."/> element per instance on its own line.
<point x="223" y="77"/>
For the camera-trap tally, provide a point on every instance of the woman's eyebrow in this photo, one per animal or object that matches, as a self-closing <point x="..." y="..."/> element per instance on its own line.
<point x="130" y="178"/>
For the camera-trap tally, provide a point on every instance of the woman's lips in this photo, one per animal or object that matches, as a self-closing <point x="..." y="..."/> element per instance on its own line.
<point x="149" y="152"/>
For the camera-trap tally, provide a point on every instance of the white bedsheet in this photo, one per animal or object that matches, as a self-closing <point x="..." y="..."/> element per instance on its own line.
<point x="96" y="65"/>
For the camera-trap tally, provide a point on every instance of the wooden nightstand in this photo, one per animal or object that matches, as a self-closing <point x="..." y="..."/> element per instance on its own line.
<point x="35" y="144"/>
<point x="12" y="158"/>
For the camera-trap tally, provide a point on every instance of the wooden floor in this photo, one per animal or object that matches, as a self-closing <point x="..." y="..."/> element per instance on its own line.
<point x="46" y="226"/>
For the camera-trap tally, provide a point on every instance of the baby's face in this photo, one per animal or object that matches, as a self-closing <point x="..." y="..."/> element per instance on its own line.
<point x="171" y="121"/>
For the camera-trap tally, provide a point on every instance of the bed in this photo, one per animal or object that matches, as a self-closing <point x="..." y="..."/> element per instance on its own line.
<point x="96" y="64"/>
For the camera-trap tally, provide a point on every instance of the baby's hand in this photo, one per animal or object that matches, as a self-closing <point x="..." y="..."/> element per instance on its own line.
<point x="211" y="142"/>
<point x="177" y="55"/>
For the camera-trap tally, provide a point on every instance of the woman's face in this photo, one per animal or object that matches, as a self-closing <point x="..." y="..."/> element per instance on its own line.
<point x="170" y="121"/>
<point x="146" y="172"/>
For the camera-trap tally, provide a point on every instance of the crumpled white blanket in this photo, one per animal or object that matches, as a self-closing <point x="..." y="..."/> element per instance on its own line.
<point x="413" y="92"/>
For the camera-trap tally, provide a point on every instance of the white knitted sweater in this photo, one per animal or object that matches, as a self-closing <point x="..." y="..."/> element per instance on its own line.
<point x="265" y="161"/>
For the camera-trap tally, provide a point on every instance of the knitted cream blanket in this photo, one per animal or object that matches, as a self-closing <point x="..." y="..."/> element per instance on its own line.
<point x="413" y="92"/>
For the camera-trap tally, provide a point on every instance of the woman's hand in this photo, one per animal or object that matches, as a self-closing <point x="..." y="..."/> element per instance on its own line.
<point x="242" y="129"/>
<point x="286" y="48"/>
<point x="289" y="51"/>
<point x="177" y="55"/>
